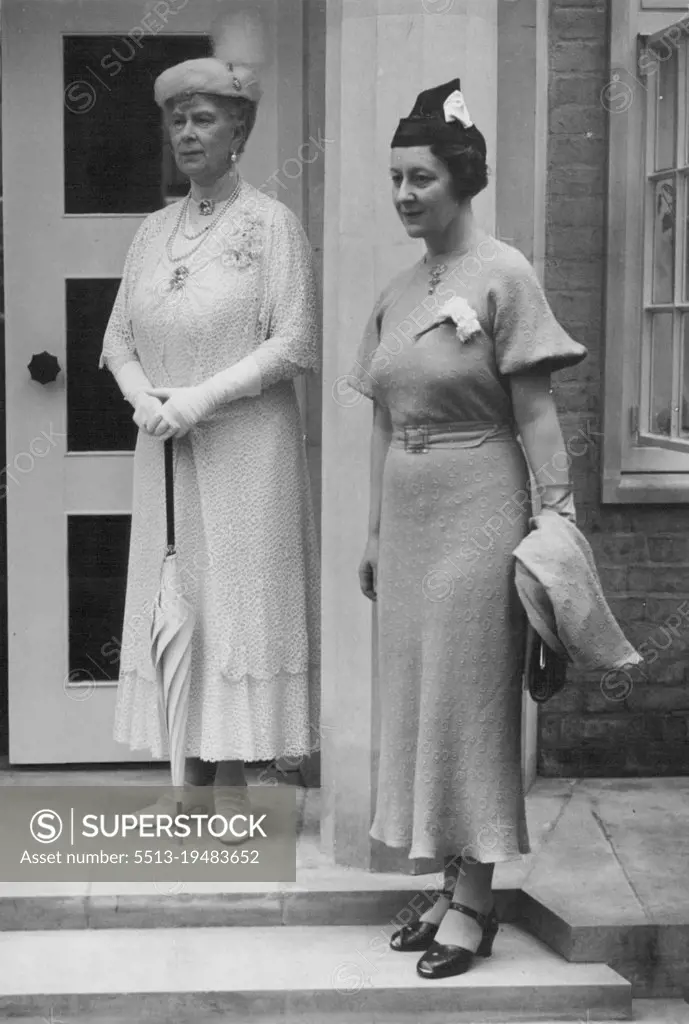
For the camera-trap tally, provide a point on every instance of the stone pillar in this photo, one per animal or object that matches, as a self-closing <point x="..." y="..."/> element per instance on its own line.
<point x="521" y="186"/>
<point x="379" y="55"/>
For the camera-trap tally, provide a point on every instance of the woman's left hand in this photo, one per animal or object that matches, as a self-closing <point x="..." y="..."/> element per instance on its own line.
<point x="182" y="409"/>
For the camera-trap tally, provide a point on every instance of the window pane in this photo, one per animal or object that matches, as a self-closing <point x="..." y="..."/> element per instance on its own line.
<point x="663" y="240"/>
<point x="98" y="417"/>
<point x="116" y="160"/>
<point x="661" y="374"/>
<point x="98" y="548"/>
<point x="666" y="111"/>
<point x="684" y="419"/>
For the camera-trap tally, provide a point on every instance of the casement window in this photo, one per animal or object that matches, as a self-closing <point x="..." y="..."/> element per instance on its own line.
<point x="646" y="406"/>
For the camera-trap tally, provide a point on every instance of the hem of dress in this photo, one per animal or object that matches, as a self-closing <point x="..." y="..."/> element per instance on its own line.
<point x="420" y="853"/>
<point x="289" y="754"/>
<point x="151" y="739"/>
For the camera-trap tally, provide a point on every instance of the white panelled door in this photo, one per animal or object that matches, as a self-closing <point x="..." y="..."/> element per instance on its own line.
<point x="84" y="162"/>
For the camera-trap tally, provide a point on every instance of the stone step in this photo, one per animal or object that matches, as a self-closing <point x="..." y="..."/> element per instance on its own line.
<point x="298" y="975"/>
<point x="167" y="905"/>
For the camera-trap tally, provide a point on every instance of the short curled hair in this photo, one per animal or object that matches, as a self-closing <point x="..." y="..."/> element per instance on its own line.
<point x="244" y="111"/>
<point x="466" y="163"/>
<point x="241" y="109"/>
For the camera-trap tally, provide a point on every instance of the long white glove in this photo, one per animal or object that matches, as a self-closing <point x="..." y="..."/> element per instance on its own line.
<point x="135" y="386"/>
<point x="183" y="408"/>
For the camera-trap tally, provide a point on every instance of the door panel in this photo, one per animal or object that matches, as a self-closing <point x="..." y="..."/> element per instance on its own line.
<point x="84" y="161"/>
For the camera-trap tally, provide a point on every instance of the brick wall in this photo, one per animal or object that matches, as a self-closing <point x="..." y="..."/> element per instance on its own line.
<point x="3" y="508"/>
<point x="637" y="726"/>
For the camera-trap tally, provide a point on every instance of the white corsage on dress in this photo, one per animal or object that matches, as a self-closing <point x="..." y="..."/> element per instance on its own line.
<point x="461" y="314"/>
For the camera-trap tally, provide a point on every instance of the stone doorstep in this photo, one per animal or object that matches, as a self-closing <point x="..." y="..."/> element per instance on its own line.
<point x="652" y="958"/>
<point x="305" y="975"/>
<point x="300" y="907"/>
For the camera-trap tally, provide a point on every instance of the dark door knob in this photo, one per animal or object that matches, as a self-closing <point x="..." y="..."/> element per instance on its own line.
<point x="44" y="368"/>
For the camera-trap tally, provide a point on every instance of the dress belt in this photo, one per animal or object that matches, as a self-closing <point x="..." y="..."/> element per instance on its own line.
<point x="468" y="434"/>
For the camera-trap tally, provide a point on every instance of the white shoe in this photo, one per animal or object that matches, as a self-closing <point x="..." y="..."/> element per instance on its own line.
<point x="228" y="802"/>
<point x="193" y="803"/>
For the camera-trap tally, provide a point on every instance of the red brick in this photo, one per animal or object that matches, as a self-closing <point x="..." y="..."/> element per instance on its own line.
<point x="577" y="120"/>
<point x="670" y="580"/>
<point x="569" y="55"/>
<point x="577" y="212"/>
<point x="599" y="5"/>
<point x="574" y="180"/>
<point x="647" y="520"/>
<point x="576" y="275"/>
<point x="614" y="578"/>
<point x="571" y="23"/>
<point x="579" y="307"/>
<point x="549" y="728"/>
<point x="568" y="700"/>
<point x="576" y="242"/>
<point x="658" y="697"/>
<point x="613" y="547"/>
<point x="669" y="549"/>
<point x="583" y="90"/>
<point x="627" y="608"/>
<point x="659" y="608"/>
<point x="594" y="701"/>
<point x="575" y="149"/>
<point x="674" y="728"/>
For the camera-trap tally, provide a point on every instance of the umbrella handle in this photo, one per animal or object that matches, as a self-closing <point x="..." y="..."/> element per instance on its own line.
<point x="169" y="495"/>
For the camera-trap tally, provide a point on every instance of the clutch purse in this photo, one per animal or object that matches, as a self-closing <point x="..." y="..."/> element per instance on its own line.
<point x="546" y="671"/>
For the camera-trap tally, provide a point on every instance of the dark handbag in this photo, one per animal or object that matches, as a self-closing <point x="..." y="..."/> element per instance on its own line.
<point x="546" y="671"/>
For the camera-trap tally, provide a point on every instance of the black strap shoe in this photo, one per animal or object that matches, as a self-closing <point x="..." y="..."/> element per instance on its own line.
<point x="415" y="937"/>
<point x="445" y="961"/>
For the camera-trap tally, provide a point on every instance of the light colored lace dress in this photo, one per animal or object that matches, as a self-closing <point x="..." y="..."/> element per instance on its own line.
<point x="246" y="538"/>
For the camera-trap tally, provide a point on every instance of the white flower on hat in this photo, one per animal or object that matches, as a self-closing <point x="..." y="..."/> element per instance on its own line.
<point x="455" y="109"/>
<point x="462" y="315"/>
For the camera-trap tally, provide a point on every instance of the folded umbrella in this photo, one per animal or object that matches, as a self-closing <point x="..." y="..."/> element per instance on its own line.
<point x="171" y="632"/>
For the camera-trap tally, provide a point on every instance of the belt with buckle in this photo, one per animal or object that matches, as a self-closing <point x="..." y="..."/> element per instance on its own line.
<point x="418" y="439"/>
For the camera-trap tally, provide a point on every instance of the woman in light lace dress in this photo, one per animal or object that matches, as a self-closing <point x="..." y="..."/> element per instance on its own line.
<point x="215" y="317"/>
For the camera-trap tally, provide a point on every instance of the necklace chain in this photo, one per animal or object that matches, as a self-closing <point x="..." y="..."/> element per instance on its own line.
<point x="182" y="272"/>
<point x="435" y="275"/>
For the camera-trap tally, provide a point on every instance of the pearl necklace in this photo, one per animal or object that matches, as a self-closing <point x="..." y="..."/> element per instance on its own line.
<point x="182" y="272"/>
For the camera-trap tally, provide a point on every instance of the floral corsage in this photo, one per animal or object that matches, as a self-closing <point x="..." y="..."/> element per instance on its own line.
<point x="244" y="243"/>
<point x="461" y="314"/>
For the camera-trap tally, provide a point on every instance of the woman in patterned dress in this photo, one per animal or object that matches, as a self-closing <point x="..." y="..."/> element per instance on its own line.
<point x="215" y="317"/>
<point x="457" y="359"/>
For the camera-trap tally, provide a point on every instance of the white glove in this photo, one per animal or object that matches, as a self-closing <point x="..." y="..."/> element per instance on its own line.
<point x="135" y="385"/>
<point x="183" y="408"/>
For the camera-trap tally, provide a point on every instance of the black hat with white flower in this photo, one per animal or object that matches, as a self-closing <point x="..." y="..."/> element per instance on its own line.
<point x="440" y="115"/>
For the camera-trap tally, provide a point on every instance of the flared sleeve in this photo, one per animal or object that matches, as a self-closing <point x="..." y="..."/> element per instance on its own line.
<point x="526" y="334"/>
<point x="118" y="343"/>
<point x="291" y="308"/>
<point x="362" y="375"/>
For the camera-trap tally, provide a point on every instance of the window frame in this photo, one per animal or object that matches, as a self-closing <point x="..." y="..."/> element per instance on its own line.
<point x="635" y="469"/>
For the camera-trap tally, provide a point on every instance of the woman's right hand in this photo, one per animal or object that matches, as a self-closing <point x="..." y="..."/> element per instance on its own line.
<point x="148" y="414"/>
<point x="368" y="570"/>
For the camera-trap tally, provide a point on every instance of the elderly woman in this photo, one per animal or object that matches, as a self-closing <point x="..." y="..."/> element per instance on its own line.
<point x="215" y="317"/>
<point x="457" y="359"/>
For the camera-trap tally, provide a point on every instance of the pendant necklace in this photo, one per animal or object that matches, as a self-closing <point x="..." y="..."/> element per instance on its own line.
<point x="435" y="275"/>
<point x="181" y="273"/>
